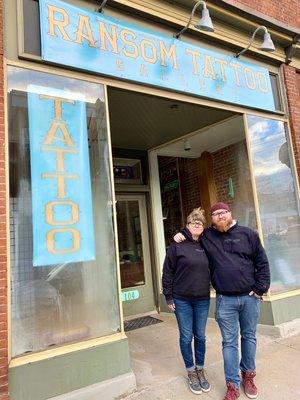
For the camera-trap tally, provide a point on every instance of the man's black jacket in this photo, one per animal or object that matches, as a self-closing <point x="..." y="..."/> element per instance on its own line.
<point x="237" y="260"/>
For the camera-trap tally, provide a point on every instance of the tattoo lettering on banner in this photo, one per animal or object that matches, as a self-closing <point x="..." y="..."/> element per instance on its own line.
<point x="62" y="221"/>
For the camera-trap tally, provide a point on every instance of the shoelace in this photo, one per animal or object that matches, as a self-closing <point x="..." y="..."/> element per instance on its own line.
<point x="230" y="390"/>
<point x="193" y="377"/>
<point x="201" y="375"/>
<point x="249" y="380"/>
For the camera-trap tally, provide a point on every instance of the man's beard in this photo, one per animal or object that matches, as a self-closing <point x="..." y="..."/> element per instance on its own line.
<point x="223" y="226"/>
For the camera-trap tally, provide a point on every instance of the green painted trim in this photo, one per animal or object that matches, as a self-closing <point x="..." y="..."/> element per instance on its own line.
<point x="266" y="314"/>
<point x="163" y="305"/>
<point x="62" y="374"/>
<point x="285" y="310"/>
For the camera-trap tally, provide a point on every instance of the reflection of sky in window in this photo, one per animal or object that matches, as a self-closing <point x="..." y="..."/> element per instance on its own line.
<point x="20" y="79"/>
<point x="267" y="137"/>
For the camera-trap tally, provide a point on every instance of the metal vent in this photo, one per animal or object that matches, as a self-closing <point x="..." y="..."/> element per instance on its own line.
<point x="140" y="323"/>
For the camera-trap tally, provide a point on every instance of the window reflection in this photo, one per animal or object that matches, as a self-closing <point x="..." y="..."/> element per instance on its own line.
<point x="58" y="304"/>
<point x="278" y="200"/>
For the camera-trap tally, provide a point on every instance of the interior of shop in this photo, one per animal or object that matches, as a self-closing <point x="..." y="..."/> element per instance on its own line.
<point x="201" y="157"/>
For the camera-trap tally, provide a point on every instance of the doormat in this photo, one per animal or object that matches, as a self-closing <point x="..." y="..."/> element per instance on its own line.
<point x="137" y="323"/>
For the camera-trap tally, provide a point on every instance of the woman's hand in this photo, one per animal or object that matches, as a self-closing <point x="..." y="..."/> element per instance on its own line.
<point x="179" y="237"/>
<point x="172" y="306"/>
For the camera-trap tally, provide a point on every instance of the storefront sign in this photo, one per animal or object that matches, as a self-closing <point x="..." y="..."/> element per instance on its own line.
<point x="60" y="178"/>
<point x="95" y="42"/>
<point x="130" y="295"/>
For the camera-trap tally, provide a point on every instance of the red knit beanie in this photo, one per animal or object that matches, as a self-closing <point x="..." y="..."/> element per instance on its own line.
<point x="219" y="206"/>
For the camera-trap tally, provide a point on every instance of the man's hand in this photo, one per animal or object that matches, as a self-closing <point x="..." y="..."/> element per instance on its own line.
<point x="179" y="237"/>
<point x="254" y="294"/>
<point x="172" y="306"/>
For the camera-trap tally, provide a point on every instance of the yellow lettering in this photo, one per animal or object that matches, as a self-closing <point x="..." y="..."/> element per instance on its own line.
<point x="143" y="70"/>
<point x="144" y="44"/>
<point x="66" y="138"/>
<point x="50" y="240"/>
<point x="59" y="23"/>
<point x="50" y="212"/>
<point x="57" y="104"/>
<point x="250" y="78"/>
<point x="194" y="55"/>
<point x="111" y="38"/>
<point x="170" y="53"/>
<point x="84" y="24"/>
<point x="222" y="64"/>
<point x="124" y="37"/>
<point x="237" y="71"/>
<point x="262" y="82"/>
<point x="60" y="152"/>
<point x="208" y="67"/>
<point x="61" y="192"/>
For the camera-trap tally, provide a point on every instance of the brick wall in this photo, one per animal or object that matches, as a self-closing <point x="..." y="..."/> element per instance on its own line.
<point x="3" y="255"/>
<point x="287" y="11"/>
<point x="292" y="83"/>
<point x="231" y="163"/>
<point x="189" y="185"/>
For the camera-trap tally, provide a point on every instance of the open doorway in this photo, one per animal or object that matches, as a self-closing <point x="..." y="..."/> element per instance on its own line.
<point x="169" y="157"/>
<point x="203" y="167"/>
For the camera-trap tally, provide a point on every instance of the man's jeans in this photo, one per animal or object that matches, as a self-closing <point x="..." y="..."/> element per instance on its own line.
<point x="191" y="318"/>
<point x="232" y="312"/>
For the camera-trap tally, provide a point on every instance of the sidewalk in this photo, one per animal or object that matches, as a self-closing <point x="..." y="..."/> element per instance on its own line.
<point x="160" y="374"/>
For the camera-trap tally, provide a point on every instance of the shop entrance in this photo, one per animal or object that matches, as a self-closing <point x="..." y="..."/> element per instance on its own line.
<point x="134" y="254"/>
<point x="170" y="156"/>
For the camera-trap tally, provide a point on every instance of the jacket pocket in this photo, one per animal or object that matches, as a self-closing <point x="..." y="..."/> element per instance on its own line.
<point x="233" y="280"/>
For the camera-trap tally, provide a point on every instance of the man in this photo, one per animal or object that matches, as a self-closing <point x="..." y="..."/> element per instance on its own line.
<point x="240" y="275"/>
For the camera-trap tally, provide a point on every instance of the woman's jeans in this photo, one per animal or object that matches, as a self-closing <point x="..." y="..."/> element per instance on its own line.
<point x="232" y="313"/>
<point x="191" y="318"/>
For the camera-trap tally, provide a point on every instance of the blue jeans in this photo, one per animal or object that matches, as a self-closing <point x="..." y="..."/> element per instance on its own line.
<point x="191" y="318"/>
<point x="232" y="313"/>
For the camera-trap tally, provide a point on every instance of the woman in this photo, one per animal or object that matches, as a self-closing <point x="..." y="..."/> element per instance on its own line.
<point x="185" y="283"/>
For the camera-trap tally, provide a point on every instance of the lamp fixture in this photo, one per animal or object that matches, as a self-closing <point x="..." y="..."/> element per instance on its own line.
<point x="267" y="44"/>
<point x="204" y="24"/>
<point x="187" y="145"/>
<point x="102" y="5"/>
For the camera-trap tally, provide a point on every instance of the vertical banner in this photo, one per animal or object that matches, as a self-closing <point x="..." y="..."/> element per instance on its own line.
<point x="62" y="209"/>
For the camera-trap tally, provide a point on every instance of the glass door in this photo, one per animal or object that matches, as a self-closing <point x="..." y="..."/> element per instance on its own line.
<point x="134" y="255"/>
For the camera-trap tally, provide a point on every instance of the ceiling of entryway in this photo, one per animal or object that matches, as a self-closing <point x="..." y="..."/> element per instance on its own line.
<point x="139" y="121"/>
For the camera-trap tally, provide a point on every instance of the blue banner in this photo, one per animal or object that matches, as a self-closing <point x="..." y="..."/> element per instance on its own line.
<point x="92" y="41"/>
<point x="62" y="212"/>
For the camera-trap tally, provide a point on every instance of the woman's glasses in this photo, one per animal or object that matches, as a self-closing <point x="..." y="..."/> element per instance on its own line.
<point x="196" y="224"/>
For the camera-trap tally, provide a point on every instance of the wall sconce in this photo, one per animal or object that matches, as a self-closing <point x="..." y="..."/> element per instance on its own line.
<point x="102" y="5"/>
<point x="267" y="44"/>
<point x="187" y="145"/>
<point x="205" y="23"/>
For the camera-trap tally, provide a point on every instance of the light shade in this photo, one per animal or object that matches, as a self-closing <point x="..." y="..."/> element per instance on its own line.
<point x="267" y="44"/>
<point x="205" y="23"/>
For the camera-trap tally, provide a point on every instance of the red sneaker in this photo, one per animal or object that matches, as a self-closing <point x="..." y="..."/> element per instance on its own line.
<point x="232" y="392"/>
<point x="248" y="384"/>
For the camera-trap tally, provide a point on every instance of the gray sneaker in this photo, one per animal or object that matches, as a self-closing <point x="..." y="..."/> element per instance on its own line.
<point x="193" y="382"/>
<point x="205" y="385"/>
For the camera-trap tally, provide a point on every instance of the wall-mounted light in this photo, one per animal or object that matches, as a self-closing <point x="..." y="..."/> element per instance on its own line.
<point x="187" y="145"/>
<point x="204" y="24"/>
<point x="267" y="44"/>
<point x="102" y="5"/>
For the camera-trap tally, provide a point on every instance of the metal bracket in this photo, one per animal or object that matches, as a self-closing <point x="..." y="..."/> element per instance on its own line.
<point x="290" y="51"/>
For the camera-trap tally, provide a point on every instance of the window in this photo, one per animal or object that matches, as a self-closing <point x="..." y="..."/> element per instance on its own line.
<point x="278" y="200"/>
<point x="276" y="92"/>
<point x="76" y="298"/>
